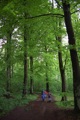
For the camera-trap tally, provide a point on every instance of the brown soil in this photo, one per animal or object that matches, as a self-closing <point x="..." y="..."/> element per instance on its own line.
<point x="39" y="110"/>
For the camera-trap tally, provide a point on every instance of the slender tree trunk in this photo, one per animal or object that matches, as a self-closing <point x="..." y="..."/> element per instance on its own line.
<point x="61" y="67"/>
<point x="8" y="68"/>
<point x="62" y="72"/>
<point x="73" y="54"/>
<point x="52" y="4"/>
<point x="31" y="75"/>
<point x="47" y="81"/>
<point x="25" y="62"/>
<point x="25" y="50"/>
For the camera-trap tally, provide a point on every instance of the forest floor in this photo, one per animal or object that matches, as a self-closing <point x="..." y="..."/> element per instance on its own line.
<point x="39" y="110"/>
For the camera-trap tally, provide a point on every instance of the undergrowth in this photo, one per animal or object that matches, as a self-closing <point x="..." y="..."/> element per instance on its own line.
<point x="69" y="103"/>
<point x="65" y="104"/>
<point x="7" y="105"/>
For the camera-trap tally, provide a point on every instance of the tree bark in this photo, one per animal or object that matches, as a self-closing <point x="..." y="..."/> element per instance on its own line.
<point x="25" y="32"/>
<point x="25" y="62"/>
<point x="31" y="75"/>
<point x="8" y="68"/>
<point x="61" y="67"/>
<point x="73" y="54"/>
<point x="47" y="81"/>
<point x="62" y="72"/>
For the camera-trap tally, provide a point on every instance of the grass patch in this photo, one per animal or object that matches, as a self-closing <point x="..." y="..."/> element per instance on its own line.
<point x="58" y="96"/>
<point x="64" y="104"/>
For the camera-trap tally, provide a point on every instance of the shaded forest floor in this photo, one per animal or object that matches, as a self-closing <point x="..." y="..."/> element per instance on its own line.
<point x="38" y="110"/>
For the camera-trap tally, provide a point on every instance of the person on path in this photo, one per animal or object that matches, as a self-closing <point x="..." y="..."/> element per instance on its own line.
<point x="43" y="95"/>
<point x="49" y="97"/>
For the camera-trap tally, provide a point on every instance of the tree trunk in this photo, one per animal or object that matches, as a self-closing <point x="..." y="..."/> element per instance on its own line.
<point x="73" y="54"/>
<point x="52" y="4"/>
<point x="25" y="50"/>
<point x="47" y="81"/>
<point x="62" y="72"/>
<point x="8" y="68"/>
<point x="61" y="67"/>
<point x="25" y="62"/>
<point x="31" y="75"/>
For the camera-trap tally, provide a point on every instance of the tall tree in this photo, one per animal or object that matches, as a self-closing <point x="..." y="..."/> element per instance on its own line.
<point x="7" y="31"/>
<point x="73" y="54"/>
<point x="31" y="75"/>
<point x="62" y="70"/>
<point x="8" y="61"/>
<point x="25" y="58"/>
<point x="60" y="58"/>
<point x="46" y="73"/>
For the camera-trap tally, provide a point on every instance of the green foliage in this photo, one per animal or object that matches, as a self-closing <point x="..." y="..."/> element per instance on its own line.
<point x="58" y="95"/>
<point x="65" y="104"/>
<point x="2" y="91"/>
<point x="69" y="103"/>
<point x="41" y="32"/>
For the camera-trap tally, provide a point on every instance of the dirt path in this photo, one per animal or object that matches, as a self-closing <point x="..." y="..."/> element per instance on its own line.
<point x="39" y="110"/>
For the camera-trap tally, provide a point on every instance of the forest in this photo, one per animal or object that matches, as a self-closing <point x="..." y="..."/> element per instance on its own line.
<point x="39" y="50"/>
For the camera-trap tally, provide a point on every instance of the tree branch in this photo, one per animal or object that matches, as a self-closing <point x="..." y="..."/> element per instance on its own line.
<point x="58" y="3"/>
<point x="43" y="15"/>
<point x="74" y="6"/>
<point x="75" y="11"/>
